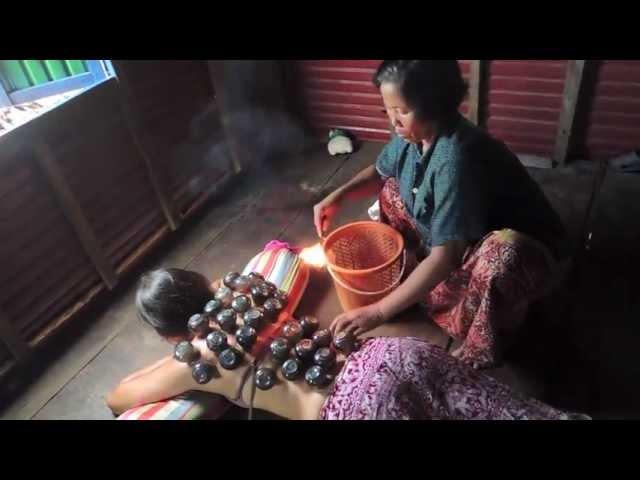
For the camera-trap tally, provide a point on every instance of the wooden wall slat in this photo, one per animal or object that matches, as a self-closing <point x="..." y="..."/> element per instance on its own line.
<point x="74" y="213"/>
<point x="89" y="167"/>
<point x="37" y="277"/>
<point x="113" y="203"/>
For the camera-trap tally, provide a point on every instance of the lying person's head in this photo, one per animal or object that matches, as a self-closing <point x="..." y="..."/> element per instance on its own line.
<point x="166" y="299"/>
<point x="420" y="96"/>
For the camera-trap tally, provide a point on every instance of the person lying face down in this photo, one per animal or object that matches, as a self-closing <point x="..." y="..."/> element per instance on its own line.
<point x="303" y="374"/>
<point x="167" y="299"/>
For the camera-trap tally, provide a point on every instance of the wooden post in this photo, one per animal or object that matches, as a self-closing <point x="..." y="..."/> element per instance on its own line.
<point x="159" y="187"/>
<point x="566" y="126"/>
<point x="127" y="107"/>
<point x="218" y="78"/>
<point x="477" y="90"/>
<point x="168" y="207"/>
<point x="74" y="214"/>
<point x="11" y="338"/>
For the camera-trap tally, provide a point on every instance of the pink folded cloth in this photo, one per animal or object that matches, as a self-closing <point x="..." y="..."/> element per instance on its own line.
<point x="277" y="245"/>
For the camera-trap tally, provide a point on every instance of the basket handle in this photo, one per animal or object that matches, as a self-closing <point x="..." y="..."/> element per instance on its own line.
<point x="396" y="283"/>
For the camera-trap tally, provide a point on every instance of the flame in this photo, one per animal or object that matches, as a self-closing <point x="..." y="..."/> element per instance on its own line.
<point x="314" y="256"/>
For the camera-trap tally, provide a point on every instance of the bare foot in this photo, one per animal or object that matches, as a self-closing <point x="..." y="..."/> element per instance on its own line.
<point x="457" y="353"/>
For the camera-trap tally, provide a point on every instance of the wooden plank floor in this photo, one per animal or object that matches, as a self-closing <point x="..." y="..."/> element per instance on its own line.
<point x="276" y="202"/>
<point x="260" y="208"/>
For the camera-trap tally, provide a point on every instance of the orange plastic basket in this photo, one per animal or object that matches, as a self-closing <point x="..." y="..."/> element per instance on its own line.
<point x="366" y="262"/>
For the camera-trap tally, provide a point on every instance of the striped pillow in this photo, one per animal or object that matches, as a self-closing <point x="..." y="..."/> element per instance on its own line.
<point x="192" y="406"/>
<point x="277" y="263"/>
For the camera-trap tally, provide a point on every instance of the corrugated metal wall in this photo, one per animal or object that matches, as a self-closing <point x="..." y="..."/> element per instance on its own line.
<point x="525" y="102"/>
<point x="613" y="123"/>
<point x="340" y="94"/>
<point x="525" y="98"/>
<point x="522" y="107"/>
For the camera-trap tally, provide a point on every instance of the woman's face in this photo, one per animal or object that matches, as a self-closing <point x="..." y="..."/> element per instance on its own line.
<point x="407" y="126"/>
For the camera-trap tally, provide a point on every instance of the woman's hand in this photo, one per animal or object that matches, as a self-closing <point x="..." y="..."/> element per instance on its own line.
<point x="358" y="321"/>
<point x="323" y="213"/>
<point x="365" y="184"/>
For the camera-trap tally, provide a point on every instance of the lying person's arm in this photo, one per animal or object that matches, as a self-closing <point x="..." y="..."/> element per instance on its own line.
<point x="167" y="379"/>
<point x="146" y="370"/>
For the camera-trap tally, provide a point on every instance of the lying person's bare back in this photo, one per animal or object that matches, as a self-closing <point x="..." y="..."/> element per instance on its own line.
<point x="304" y="374"/>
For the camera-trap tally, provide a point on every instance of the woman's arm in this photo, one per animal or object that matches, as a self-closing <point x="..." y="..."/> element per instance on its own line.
<point x="167" y="379"/>
<point x="365" y="184"/>
<point x="434" y="269"/>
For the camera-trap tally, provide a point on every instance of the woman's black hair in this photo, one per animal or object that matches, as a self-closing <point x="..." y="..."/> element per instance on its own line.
<point x="166" y="299"/>
<point x="435" y="89"/>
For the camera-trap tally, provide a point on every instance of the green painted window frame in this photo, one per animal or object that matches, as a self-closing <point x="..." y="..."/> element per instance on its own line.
<point x="24" y="81"/>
